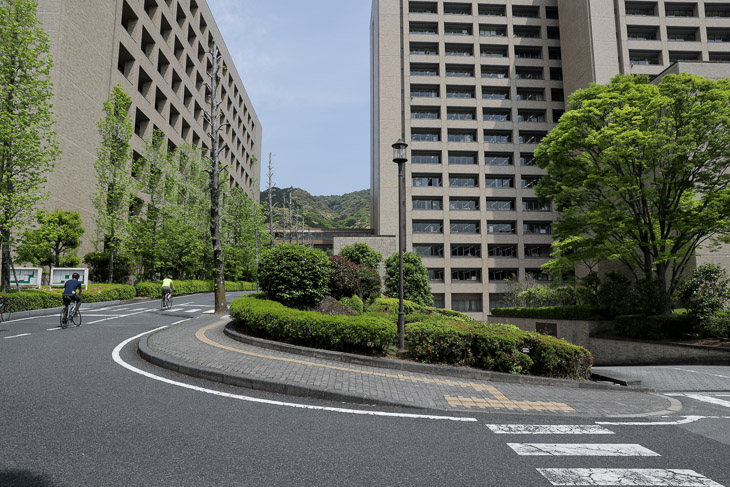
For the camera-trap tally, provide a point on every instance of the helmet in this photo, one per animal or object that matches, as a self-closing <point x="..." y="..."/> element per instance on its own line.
<point x="75" y="275"/>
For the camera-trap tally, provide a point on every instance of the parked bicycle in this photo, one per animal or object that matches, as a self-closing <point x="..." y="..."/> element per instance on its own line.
<point x="70" y="315"/>
<point x="4" y="309"/>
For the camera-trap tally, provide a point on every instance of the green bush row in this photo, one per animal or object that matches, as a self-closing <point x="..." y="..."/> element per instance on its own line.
<point x="498" y="347"/>
<point x="576" y="312"/>
<point x="269" y="319"/>
<point x="154" y="289"/>
<point x="654" y="327"/>
<point x="413" y="311"/>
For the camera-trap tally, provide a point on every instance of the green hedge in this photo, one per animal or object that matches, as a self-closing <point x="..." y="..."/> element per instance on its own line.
<point x="577" y="312"/>
<point x="269" y="319"/>
<point x="654" y="327"/>
<point x="30" y="299"/>
<point x="413" y="311"/>
<point x="154" y="289"/>
<point x="496" y="347"/>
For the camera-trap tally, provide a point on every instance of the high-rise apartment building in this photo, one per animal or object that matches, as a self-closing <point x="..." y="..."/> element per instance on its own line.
<point x="472" y="87"/>
<point x="156" y="50"/>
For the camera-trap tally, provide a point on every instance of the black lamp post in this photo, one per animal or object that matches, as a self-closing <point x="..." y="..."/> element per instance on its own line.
<point x="400" y="157"/>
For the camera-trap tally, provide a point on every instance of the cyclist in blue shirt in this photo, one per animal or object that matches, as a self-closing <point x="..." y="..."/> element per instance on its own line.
<point x="72" y="291"/>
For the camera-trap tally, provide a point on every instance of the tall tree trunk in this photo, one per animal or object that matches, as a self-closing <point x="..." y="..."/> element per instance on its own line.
<point x="5" y="237"/>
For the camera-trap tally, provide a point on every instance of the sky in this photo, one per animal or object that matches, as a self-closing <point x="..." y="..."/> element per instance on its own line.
<point x="306" y="68"/>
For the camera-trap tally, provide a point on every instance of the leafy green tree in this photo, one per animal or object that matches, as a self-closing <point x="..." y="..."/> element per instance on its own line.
<point x="295" y="275"/>
<point x="640" y="172"/>
<point x="705" y="293"/>
<point x="113" y="173"/>
<point x="416" y="286"/>
<point x="28" y="145"/>
<point x="362" y="254"/>
<point x="58" y="234"/>
<point x="242" y="219"/>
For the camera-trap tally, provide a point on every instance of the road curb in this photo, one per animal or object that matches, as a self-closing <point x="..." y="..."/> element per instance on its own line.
<point x="202" y="372"/>
<point x="430" y="369"/>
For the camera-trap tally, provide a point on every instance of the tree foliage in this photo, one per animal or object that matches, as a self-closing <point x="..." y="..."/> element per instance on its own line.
<point x="638" y="171"/>
<point x="344" y="277"/>
<point x="295" y="275"/>
<point x="416" y="286"/>
<point x="113" y="174"/>
<point x="242" y="219"/>
<point x="705" y="293"/>
<point x="362" y="254"/>
<point x="58" y="234"/>
<point x="28" y="145"/>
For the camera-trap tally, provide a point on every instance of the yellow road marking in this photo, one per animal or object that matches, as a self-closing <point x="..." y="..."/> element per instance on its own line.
<point x="499" y="401"/>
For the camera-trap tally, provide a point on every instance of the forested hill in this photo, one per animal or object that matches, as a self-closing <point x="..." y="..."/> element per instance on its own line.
<point x="351" y="210"/>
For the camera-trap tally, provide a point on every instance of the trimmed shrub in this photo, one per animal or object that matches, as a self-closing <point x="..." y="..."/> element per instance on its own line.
<point x="654" y="327"/>
<point x="269" y="319"/>
<point x="154" y="289"/>
<point x="295" y="275"/>
<point x="362" y="254"/>
<point x="416" y="286"/>
<point x="30" y="299"/>
<point x="414" y="311"/>
<point x="354" y="303"/>
<point x="344" y="277"/>
<point x="578" y="312"/>
<point x="370" y="284"/>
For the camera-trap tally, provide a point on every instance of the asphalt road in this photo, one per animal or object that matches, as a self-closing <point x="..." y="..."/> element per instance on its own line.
<point x="75" y="413"/>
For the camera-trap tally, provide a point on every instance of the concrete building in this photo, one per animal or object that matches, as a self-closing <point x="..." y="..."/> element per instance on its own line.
<point x="473" y="86"/>
<point x="156" y="50"/>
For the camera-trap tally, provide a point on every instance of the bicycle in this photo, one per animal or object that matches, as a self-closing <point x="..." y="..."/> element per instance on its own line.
<point x="75" y="317"/>
<point x="166" y="301"/>
<point x="5" y="310"/>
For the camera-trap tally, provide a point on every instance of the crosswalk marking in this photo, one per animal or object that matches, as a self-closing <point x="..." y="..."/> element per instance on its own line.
<point x="626" y="476"/>
<point x="18" y="336"/>
<point x="582" y="449"/>
<point x="194" y="310"/>
<point x="549" y="429"/>
<point x="710" y="399"/>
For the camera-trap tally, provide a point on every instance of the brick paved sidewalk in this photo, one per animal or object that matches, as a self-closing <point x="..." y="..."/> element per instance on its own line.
<point x="201" y="348"/>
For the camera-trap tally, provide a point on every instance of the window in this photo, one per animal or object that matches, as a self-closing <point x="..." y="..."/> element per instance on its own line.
<point x="641" y="33"/>
<point x="458" y="29"/>
<point x="417" y="48"/>
<point x="493" y="51"/>
<point x="641" y="8"/>
<point x="422" y="7"/>
<point x="541" y="228"/>
<point x="537" y="275"/>
<point x="125" y="62"/>
<point x="675" y="34"/>
<point x="502" y="274"/>
<point x="530" y="94"/>
<point x="425" y="157"/>
<point x="530" y="181"/>
<point x="462" y="158"/>
<point x="497" y="137"/>
<point x="496" y="72"/>
<point x="554" y="53"/>
<point x="464" y="227"/>
<point x="424" y="91"/>
<point x="129" y="18"/>
<point x="718" y="35"/>
<point x="466" y="250"/>
<point x="500" y="227"/>
<point x="551" y="13"/>
<point x="466" y="303"/>
<point x="426" y="180"/>
<point x="526" y="32"/>
<point x="439" y="301"/>
<point x="679" y="10"/>
<point x="496" y="115"/>
<point x="528" y="73"/>
<point x="461" y="136"/>
<point x="717" y="10"/>
<point x="423" y="113"/>
<point x="428" y="227"/>
<point x="425" y="135"/>
<point x="498" y="182"/>
<point x="463" y="204"/>
<point x="531" y="137"/>
<point x="528" y="53"/>
<point x="424" y="69"/>
<point x="466" y="275"/>
<point x="537" y="251"/>
<point x="495" y="93"/>
<point x="531" y="116"/>
<point x="457" y="8"/>
<point x="533" y="204"/>
<point x="459" y="50"/>
<point x="491" y="10"/>
<point x="528" y="160"/>
<point x="459" y="71"/>
<point x="429" y="250"/>
<point x="463" y="181"/>
<point x="529" y="12"/>
<point x="641" y="57"/>
<point x="460" y="113"/>
<point x="460" y="92"/>
<point x="427" y="204"/>
<point x="435" y="274"/>
<point x="492" y="159"/>
<point x="492" y="30"/>
<point x="428" y="28"/>
<point x="557" y="114"/>
<point x="502" y="250"/>
<point x="556" y="74"/>
<point x="553" y="33"/>
<point x="557" y="94"/>
<point x="494" y="204"/>
<point x="675" y="56"/>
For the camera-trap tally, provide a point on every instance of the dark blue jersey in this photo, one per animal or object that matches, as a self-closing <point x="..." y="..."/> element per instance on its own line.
<point x="71" y="286"/>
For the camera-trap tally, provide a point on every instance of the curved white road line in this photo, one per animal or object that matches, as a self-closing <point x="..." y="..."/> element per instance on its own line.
<point x="117" y="358"/>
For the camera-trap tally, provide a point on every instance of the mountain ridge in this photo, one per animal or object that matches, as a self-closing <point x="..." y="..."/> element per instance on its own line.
<point x="350" y="210"/>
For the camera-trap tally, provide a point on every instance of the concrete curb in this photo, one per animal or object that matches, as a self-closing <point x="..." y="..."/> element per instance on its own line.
<point x="430" y="369"/>
<point x="239" y="380"/>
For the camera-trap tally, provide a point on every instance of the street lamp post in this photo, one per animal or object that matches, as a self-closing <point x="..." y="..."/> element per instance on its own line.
<point x="400" y="157"/>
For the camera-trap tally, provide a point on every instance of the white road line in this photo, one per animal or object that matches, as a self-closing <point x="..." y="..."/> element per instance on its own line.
<point x="18" y="336"/>
<point x="684" y="420"/>
<point x="548" y="429"/>
<point x="709" y="399"/>
<point x="121" y="316"/>
<point x="700" y="372"/>
<point x="178" y="322"/>
<point x="209" y="312"/>
<point x="582" y="450"/>
<point x="54" y="329"/>
<point x="626" y="476"/>
<point x="117" y="358"/>
<point x="194" y="310"/>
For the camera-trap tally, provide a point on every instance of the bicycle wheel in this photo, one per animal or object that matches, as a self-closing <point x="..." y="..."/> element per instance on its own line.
<point x="76" y="318"/>
<point x="5" y="313"/>
<point x="64" y="317"/>
<point x="169" y="301"/>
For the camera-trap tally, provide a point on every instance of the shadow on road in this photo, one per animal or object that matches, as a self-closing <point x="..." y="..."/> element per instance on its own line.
<point x="22" y="478"/>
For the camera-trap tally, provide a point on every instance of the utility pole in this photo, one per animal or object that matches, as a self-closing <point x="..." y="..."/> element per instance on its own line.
<point x="271" y="204"/>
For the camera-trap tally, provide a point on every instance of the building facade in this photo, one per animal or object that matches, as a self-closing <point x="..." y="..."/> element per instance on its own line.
<point x="156" y="50"/>
<point x="472" y="87"/>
